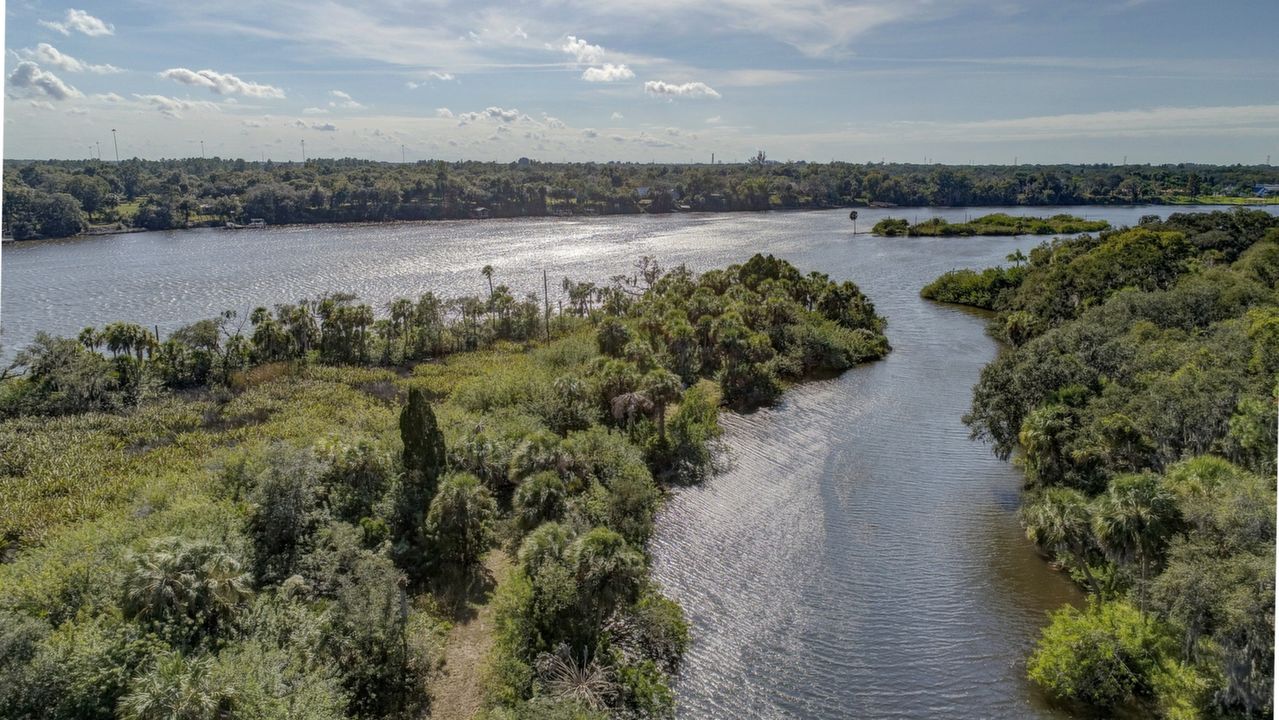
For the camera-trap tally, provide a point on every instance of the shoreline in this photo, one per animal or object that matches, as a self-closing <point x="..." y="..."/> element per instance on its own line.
<point x="1252" y="204"/>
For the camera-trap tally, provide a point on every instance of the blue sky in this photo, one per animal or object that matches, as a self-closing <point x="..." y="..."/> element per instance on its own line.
<point x="666" y="80"/>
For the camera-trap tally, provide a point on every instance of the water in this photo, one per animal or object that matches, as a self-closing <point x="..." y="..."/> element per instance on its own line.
<point x="860" y="558"/>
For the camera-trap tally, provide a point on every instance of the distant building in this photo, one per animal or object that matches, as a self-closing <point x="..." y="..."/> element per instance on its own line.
<point x="480" y="213"/>
<point x="1265" y="190"/>
<point x="523" y="162"/>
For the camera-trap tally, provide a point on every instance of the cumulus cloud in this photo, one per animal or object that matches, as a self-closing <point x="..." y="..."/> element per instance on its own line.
<point x="252" y="123"/>
<point x="615" y="116"/>
<point x="667" y="90"/>
<point x="495" y="114"/>
<point x="174" y="107"/>
<point x="441" y="75"/>
<point x="47" y="54"/>
<point x="41" y="104"/>
<point x="30" y="78"/>
<point x="443" y="113"/>
<point x="324" y="127"/>
<point x="583" y="51"/>
<point x="343" y="100"/>
<point x="553" y="122"/>
<point x="715" y="120"/>
<point x="109" y="97"/>
<point x="314" y="111"/>
<point x="81" y="22"/>
<point x="222" y="83"/>
<point x="608" y="73"/>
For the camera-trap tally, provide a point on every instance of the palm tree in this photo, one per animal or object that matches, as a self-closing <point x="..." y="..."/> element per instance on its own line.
<point x="487" y="272"/>
<point x="566" y="679"/>
<point x="1017" y="257"/>
<point x="661" y="387"/>
<point x="460" y="520"/>
<point x="1133" y="520"/>
<point x="1060" y="520"/>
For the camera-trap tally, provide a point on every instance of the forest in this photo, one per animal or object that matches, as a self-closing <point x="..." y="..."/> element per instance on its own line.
<point x="284" y="515"/>
<point x="59" y="198"/>
<point x="1137" y="389"/>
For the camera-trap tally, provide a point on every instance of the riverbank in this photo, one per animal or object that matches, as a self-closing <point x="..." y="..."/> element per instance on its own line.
<point x="957" y="229"/>
<point x="1154" y="492"/>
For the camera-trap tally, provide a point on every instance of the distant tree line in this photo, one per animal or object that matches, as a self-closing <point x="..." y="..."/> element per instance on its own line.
<point x="60" y="198"/>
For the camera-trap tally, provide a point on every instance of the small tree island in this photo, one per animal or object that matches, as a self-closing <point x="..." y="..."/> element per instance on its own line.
<point x="993" y="224"/>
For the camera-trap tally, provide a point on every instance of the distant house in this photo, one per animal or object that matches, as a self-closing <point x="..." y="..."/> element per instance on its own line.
<point x="480" y="213"/>
<point x="1265" y="190"/>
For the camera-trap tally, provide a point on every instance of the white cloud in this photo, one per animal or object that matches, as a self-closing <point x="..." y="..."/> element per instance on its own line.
<point x="324" y="127"/>
<point x="222" y="83"/>
<point x="443" y="113"/>
<point x="49" y="55"/>
<point x="496" y="114"/>
<point x="583" y="51"/>
<point x="441" y="75"/>
<point x="615" y="116"/>
<point x="343" y="100"/>
<point x="608" y="73"/>
<point x="78" y="111"/>
<point x="41" y="104"/>
<point x="667" y="90"/>
<point x="109" y="97"/>
<point x="252" y="123"/>
<point x="315" y="111"/>
<point x="590" y="133"/>
<point x="713" y="120"/>
<point x="553" y="122"/>
<point x="174" y="107"/>
<point x="34" y="80"/>
<point x="81" y="22"/>
<point x="412" y="85"/>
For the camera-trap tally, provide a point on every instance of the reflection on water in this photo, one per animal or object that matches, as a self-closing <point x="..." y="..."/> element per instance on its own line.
<point x="860" y="558"/>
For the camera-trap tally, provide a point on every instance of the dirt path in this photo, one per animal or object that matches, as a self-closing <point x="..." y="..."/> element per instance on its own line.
<point x="458" y="690"/>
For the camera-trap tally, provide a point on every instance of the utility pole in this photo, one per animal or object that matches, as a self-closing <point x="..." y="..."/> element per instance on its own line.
<point x="546" y="303"/>
<point x="116" y="144"/>
<point x="303" y="141"/>
<point x="99" y="144"/>
<point x="402" y="160"/>
<point x="201" y="149"/>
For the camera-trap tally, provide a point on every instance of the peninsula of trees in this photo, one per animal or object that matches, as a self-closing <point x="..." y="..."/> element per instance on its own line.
<point x="281" y="515"/>
<point x="61" y="198"/>
<point x="1140" y="382"/>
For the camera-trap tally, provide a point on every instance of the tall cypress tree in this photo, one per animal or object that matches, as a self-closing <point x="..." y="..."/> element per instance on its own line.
<point x="424" y="461"/>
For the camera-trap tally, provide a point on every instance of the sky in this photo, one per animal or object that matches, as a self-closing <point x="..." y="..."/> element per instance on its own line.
<point x="945" y="81"/>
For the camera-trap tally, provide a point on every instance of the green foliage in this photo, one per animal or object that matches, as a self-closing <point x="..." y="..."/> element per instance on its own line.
<point x="424" y="461"/>
<point x="241" y="549"/>
<point x="993" y="224"/>
<point x="986" y="289"/>
<point x="459" y="524"/>
<point x="1141" y="389"/>
<point x="1104" y="655"/>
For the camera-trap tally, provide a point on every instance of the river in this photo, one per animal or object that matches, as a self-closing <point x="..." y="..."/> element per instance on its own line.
<point x="860" y="556"/>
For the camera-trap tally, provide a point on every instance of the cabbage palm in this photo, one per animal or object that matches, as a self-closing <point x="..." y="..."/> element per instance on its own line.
<point x="1060" y="520"/>
<point x="1132" y="520"/>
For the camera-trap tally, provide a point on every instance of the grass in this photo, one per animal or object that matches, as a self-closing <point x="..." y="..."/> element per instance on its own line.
<point x="1220" y="200"/>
